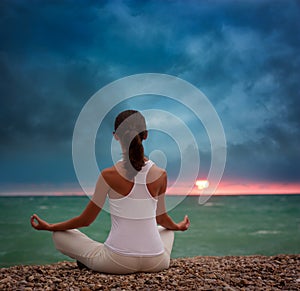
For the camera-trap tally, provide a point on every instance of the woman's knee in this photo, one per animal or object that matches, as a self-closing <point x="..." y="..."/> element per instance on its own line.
<point x="57" y="237"/>
<point x="62" y="239"/>
<point x="167" y="237"/>
<point x="166" y="232"/>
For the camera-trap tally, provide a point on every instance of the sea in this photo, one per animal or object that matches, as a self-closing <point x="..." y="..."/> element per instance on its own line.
<point x="223" y="226"/>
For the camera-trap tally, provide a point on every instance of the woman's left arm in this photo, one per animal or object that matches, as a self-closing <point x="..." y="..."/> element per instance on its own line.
<point x="84" y="219"/>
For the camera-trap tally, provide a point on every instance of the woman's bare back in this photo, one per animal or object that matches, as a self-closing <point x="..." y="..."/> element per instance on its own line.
<point x="121" y="186"/>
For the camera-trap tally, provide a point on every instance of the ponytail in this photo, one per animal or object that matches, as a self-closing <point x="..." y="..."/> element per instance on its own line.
<point x="134" y="158"/>
<point x="131" y="129"/>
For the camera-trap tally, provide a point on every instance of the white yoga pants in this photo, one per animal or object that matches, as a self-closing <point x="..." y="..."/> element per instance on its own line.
<point x="98" y="257"/>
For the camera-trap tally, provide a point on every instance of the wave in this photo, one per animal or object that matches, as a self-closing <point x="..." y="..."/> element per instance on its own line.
<point x="265" y="232"/>
<point x="210" y="204"/>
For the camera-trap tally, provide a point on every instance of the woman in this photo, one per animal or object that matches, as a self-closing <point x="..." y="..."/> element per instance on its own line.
<point x="135" y="187"/>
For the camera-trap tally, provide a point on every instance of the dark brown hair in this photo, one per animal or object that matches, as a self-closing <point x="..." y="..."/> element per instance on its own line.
<point x="130" y="127"/>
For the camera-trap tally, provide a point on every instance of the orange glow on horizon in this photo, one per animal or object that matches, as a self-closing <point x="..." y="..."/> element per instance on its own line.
<point x="224" y="188"/>
<point x="240" y="188"/>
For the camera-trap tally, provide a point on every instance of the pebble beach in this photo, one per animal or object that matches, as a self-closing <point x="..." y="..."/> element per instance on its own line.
<point x="280" y="272"/>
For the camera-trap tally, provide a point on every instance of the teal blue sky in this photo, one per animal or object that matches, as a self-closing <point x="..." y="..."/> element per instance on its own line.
<point x="243" y="55"/>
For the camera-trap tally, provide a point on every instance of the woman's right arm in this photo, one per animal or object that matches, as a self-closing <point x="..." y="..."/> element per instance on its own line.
<point x="162" y="217"/>
<point x="167" y="222"/>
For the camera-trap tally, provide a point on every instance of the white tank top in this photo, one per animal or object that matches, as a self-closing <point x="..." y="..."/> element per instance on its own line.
<point x="133" y="221"/>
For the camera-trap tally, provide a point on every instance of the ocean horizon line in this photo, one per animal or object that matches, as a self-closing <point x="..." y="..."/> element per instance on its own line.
<point x="168" y="195"/>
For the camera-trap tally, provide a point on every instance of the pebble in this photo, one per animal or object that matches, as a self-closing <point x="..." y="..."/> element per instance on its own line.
<point x="197" y="273"/>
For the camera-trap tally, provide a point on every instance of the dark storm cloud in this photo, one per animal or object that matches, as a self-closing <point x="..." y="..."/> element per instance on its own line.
<point x="47" y="74"/>
<point x="244" y="55"/>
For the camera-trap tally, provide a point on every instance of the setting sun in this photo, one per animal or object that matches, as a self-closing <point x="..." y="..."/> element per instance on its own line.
<point x="202" y="184"/>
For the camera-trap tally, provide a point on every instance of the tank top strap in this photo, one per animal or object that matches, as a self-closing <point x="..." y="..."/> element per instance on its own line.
<point x="141" y="177"/>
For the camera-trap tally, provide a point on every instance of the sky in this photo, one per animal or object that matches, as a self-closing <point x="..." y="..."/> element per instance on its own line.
<point x="243" y="55"/>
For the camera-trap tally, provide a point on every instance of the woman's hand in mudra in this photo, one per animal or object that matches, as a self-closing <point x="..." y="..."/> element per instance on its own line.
<point x="184" y="225"/>
<point x="38" y="223"/>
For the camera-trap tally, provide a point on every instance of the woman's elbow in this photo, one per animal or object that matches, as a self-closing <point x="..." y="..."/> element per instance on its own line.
<point x="160" y="219"/>
<point x="85" y="221"/>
